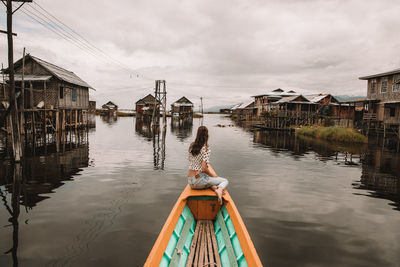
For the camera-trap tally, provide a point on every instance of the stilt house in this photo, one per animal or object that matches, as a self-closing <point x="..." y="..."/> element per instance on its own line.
<point x="145" y="107"/>
<point x="51" y="92"/>
<point x="383" y="98"/>
<point x="109" y="109"/>
<point x="263" y="102"/>
<point x="182" y="108"/>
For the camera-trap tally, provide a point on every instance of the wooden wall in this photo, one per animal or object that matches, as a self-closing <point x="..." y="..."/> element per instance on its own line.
<point x="376" y="94"/>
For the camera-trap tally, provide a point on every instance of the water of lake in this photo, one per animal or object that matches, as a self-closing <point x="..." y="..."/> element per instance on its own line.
<point x="104" y="199"/>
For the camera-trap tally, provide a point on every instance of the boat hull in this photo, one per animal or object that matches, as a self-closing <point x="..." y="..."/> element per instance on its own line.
<point x="194" y="205"/>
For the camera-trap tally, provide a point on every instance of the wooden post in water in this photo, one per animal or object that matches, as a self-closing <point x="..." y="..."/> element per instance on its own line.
<point x="4" y="84"/>
<point x="165" y="104"/>
<point x="22" y="106"/>
<point x="384" y="131"/>
<point x="76" y="119"/>
<point x="15" y="129"/>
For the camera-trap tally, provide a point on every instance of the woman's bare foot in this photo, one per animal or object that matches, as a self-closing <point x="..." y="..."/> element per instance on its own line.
<point x="218" y="191"/>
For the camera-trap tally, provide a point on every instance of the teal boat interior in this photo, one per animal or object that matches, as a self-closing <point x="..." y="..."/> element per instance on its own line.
<point x="204" y="236"/>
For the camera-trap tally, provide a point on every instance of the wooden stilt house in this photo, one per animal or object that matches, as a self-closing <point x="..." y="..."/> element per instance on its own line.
<point x="53" y="98"/>
<point x="182" y="108"/>
<point x="109" y="109"/>
<point x="146" y="106"/>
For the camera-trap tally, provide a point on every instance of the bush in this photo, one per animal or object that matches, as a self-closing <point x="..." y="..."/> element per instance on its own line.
<point x="345" y="135"/>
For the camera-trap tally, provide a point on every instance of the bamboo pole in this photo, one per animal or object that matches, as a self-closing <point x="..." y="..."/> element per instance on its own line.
<point x="22" y="107"/>
<point x="15" y="136"/>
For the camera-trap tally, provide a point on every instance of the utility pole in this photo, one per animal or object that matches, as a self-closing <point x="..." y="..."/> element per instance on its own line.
<point x="15" y="125"/>
<point x="201" y="106"/>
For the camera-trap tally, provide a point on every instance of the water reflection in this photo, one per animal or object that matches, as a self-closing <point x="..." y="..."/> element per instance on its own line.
<point x="304" y="202"/>
<point x="182" y="128"/>
<point x="296" y="146"/>
<point x="42" y="170"/>
<point x="110" y="120"/>
<point x="143" y="129"/>
<point x="380" y="175"/>
<point x="156" y="135"/>
<point x="380" y="168"/>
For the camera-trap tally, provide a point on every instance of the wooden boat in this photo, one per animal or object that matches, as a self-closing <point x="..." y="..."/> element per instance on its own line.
<point x="201" y="232"/>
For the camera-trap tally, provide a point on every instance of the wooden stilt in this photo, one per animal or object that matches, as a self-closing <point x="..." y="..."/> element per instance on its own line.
<point x="57" y="121"/>
<point x="76" y="119"/>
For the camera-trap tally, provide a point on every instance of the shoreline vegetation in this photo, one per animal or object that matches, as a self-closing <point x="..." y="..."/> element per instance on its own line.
<point x="337" y="134"/>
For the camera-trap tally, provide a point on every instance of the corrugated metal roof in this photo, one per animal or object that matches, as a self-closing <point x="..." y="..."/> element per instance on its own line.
<point x="247" y="104"/>
<point x="395" y="71"/>
<point x="236" y="106"/>
<point x="278" y="93"/>
<point x="287" y="99"/>
<point x="60" y="73"/>
<point x="183" y="99"/>
<point x="316" y="98"/>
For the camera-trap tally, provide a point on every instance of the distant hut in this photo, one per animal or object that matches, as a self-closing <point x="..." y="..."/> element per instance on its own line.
<point x="296" y="106"/>
<point x="328" y="107"/>
<point x="145" y="107"/>
<point x="109" y="109"/>
<point x="246" y="111"/>
<point x="57" y="94"/>
<point x="182" y="108"/>
<point x="92" y="106"/>
<point x="263" y="102"/>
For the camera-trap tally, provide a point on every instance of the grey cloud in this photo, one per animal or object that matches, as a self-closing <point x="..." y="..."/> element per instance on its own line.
<point x="241" y="47"/>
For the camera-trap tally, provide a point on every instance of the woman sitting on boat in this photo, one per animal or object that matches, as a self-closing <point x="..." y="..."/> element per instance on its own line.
<point x="201" y="174"/>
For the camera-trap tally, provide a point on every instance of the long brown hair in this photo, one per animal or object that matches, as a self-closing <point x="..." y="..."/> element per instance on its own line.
<point x="201" y="140"/>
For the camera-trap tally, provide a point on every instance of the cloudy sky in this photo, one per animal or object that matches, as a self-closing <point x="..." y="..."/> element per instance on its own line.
<point x="223" y="51"/>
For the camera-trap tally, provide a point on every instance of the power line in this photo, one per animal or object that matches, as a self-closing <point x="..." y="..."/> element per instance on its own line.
<point x="59" y="28"/>
<point x="45" y="24"/>
<point x="84" y="39"/>
<point x="55" y="25"/>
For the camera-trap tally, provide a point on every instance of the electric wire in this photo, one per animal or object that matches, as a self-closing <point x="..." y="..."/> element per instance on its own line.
<point x="55" y="25"/>
<point x="84" y="39"/>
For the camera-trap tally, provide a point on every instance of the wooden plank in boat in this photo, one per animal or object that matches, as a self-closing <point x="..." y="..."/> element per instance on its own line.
<point x="227" y="240"/>
<point x="177" y="255"/>
<point x="215" y="246"/>
<point x="206" y="244"/>
<point x="202" y="243"/>
<point x="197" y="252"/>
<point x="209" y="243"/>
<point x="193" y="246"/>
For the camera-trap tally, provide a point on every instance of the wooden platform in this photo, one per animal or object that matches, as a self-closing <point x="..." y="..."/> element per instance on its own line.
<point x="204" y="248"/>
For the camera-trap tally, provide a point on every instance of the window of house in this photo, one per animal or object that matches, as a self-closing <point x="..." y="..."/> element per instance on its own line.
<point x="392" y="112"/>
<point x="373" y="86"/>
<point x="396" y="87"/>
<point x="74" y="94"/>
<point x="61" y="92"/>
<point x="384" y="85"/>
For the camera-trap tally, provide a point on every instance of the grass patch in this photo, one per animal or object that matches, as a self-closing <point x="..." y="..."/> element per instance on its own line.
<point x="337" y="134"/>
<point x="197" y="115"/>
<point x="123" y="114"/>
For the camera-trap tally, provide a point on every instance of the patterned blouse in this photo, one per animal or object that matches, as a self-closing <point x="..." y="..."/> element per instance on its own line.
<point x="195" y="161"/>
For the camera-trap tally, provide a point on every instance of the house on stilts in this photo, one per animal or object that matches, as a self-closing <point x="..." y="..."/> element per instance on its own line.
<point x="182" y="108"/>
<point x="53" y="98"/>
<point x="146" y="106"/>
